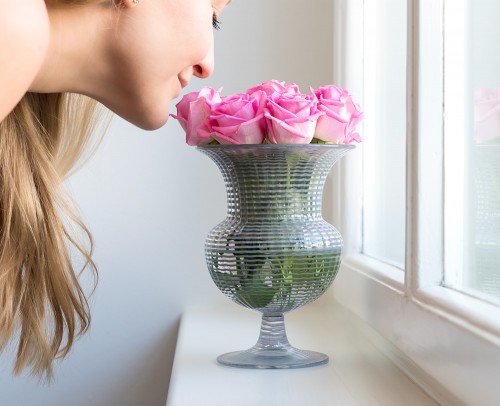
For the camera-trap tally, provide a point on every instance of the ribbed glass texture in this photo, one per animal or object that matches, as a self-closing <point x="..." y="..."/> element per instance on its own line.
<point x="274" y="251"/>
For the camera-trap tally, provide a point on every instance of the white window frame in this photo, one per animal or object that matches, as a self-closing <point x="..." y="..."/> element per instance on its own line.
<point x="447" y="341"/>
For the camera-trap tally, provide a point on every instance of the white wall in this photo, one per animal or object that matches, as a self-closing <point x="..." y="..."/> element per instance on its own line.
<point x="149" y="200"/>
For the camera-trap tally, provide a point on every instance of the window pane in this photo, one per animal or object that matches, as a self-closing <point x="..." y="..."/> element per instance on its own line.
<point x="483" y="86"/>
<point x="385" y="131"/>
<point x="478" y="270"/>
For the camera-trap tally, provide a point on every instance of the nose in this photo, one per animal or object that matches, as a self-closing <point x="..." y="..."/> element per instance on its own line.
<point x="205" y="68"/>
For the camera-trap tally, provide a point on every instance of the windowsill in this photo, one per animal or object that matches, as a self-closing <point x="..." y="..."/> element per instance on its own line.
<point x="475" y="314"/>
<point x="358" y="373"/>
<point x="442" y="339"/>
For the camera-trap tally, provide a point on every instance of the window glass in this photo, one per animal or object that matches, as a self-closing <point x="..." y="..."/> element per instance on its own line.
<point x="482" y="89"/>
<point x="472" y="165"/>
<point x="384" y="131"/>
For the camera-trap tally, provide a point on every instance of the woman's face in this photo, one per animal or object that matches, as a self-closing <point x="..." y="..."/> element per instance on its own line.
<point x="160" y="45"/>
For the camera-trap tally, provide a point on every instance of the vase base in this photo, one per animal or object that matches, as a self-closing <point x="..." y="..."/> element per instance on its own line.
<point x="283" y="358"/>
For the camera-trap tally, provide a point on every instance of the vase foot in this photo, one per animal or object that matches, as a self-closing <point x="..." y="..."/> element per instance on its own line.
<point x="284" y="358"/>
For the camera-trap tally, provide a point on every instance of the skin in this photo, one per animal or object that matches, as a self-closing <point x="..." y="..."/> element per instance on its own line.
<point x="26" y="26"/>
<point x="134" y="58"/>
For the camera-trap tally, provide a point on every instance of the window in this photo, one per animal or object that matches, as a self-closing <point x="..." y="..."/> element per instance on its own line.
<point x="472" y="139"/>
<point x="440" y="222"/>
<point x="384" y="104"/>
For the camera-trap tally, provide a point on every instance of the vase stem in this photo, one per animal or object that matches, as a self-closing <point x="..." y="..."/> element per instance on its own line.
<point x="272" y="333"/>
<point x="272" y="350"/>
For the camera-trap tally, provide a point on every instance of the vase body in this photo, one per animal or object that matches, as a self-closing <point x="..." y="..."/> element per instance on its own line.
<point x="274" y="252"/>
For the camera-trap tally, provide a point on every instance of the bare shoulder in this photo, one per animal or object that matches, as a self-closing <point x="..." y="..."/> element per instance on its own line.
<point x="25" y="33"/>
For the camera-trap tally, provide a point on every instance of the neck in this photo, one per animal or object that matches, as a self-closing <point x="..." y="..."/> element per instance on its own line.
<point x="76" y="60"/>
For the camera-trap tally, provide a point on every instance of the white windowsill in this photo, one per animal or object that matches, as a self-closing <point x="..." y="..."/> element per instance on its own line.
<point x="446" y="341"/>
<point x="358" y="373"/>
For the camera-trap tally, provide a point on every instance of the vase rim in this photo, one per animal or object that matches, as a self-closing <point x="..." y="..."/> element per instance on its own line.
<point x="272" y="146"/>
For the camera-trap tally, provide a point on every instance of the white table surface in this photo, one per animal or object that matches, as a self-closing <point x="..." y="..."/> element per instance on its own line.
<point x="357" y="374"/>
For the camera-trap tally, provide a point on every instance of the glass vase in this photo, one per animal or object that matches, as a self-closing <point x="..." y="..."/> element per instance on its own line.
<point x="274" y="252"/>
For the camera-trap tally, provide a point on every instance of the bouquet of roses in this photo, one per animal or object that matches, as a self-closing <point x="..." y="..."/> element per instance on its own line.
<point x="273" y="112"/>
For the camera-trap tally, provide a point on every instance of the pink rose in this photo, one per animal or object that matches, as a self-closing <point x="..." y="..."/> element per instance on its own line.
<point x="239" y="119"/>
<point x="342" y="116"/>
<point x="273" y="89"/>
<point x="274" y="112"/>
<point x="291" y="118"/>
<point x="486" y="114"/>
<point x="193" y="112"/>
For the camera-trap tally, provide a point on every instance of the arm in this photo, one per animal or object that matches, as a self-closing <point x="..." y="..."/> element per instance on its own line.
<point x="24" y="33"/>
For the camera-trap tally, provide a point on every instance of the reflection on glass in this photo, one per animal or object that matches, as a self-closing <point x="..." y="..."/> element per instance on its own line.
<point x="482" y="141"/>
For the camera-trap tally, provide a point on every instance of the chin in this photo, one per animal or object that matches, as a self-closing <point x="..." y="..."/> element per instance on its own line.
<point x="151" y="122"/>
<point x="152" y="125"/>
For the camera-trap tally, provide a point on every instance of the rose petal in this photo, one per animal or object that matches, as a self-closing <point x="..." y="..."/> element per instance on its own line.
<point x="297" y="132"/>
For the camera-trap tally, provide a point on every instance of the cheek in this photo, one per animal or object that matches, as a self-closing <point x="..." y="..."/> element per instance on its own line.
<point x="194" y="33"/>
<point x="165" y="60"/>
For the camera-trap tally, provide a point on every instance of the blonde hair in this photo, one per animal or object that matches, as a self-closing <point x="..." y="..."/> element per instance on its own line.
<point x="40" y="295"/>
<point x="43" y="308"/>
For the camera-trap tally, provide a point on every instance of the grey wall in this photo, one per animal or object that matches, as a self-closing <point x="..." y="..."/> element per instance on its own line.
<point x="149" y="200"/>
